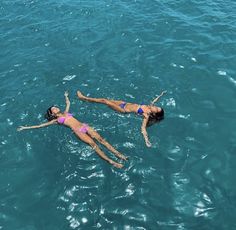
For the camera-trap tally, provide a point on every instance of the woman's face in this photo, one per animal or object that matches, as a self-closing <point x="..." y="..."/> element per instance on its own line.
<point x="55" y="110"/>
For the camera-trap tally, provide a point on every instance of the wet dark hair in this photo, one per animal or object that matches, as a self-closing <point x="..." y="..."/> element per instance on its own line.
<point x="49" y="115"/>
<point x="155" y="117"/>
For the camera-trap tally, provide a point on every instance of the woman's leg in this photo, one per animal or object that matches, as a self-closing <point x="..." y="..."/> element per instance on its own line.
<point x="111" y="103"/>
<point x="95" y="135"/>
<point x="88" y="140"/>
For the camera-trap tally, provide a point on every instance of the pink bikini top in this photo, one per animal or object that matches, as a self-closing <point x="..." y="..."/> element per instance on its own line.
<point x="61" y="120"/>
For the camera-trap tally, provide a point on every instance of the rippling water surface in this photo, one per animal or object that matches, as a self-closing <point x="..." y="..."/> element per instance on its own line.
<point x="128" y="50"/>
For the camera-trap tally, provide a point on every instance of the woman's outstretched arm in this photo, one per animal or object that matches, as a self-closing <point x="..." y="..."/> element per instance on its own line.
<point x="67" y="102"/>
<point x="37" y="126"/>
<point x="144" y="131"/>
<point x="157" y="98"/>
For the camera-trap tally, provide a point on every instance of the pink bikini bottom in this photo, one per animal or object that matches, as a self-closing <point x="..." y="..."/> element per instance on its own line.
<point x="83" y="129"/>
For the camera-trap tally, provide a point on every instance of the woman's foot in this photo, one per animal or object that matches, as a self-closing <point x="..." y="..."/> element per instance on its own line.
<point x="117" y="165"/>
<point x="121" y="156"/>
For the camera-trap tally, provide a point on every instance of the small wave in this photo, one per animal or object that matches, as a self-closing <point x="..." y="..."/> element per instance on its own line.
<point x="175" y="65"/>
<point x="184" y="116"/>
<point x="129" y="95"/>
<point x="171" y="102"/>
<point x="129" y="145"/>
<point x="3" y="104"/>
<point x="9" y="122"/>
<point x="69" y="77"/>
<point x="222" y="73"/>
<point x="232" y="80"/>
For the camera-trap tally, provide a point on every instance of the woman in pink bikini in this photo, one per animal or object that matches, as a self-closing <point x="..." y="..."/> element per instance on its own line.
<point x="150" y="113"/>
<point x="81" y="130"/>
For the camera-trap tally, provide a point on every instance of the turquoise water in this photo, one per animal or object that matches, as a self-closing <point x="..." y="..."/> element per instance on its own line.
<point x="128" y="50"/>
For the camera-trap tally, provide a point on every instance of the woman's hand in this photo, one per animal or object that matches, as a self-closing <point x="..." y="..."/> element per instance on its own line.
<point x="157" y="98"/>
<point x="148" y="143"/>
<point x="66" y="94"/>
<point x="67" y="102"/>
<point x="20" y="128"/>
